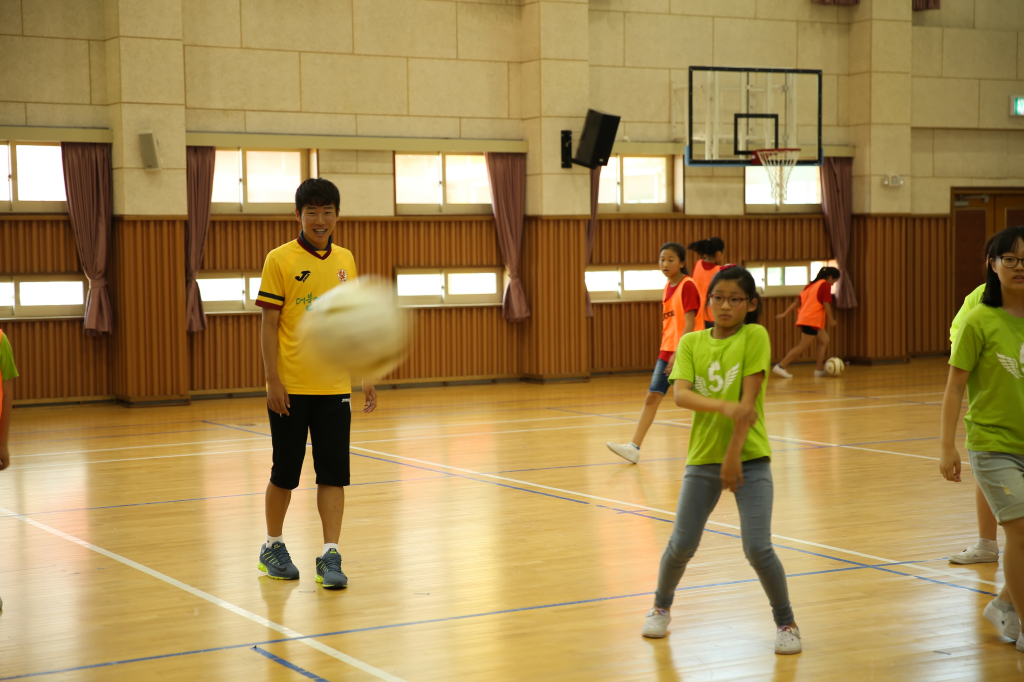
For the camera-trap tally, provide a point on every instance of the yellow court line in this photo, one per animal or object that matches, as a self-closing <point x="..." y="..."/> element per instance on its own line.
<point x="237" y="610"/>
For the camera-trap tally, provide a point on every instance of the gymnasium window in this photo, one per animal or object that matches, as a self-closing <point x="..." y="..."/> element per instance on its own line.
<point x="436" y="287"/>
<point x="610" y="283"/>
<point x="229" y="292"/>
<point x="33" y="178"/>
<point x="785" y="278"/>
<point x="28" y="296"/>
<point x="441" y="183"/>
<point x="803" y="192"/>
<point x="258" y="180"/>
<point x="636" y="184"/>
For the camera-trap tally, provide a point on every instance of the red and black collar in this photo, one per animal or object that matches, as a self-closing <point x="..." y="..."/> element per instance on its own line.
<point x="309" y="247"/>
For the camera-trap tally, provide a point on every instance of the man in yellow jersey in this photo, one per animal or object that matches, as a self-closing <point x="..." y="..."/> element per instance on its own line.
<point x="7" y="374"/>
<point x="305" y="397"/>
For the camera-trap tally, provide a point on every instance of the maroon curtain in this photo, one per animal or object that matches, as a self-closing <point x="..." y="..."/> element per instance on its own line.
<point x="90" y="203"/>
<point x="507" y="175"/>
<point x="595" y="185"/>
<point x="847" y="3"/>
<point x="837" y="204"/>
<point x="199" y="163"/>
<point x="927" y="4"/>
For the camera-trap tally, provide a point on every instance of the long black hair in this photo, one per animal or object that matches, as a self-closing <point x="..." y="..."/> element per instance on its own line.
<point x="679" y="250"/>
<point x="1000" y="243"/>
<point x="745" y="280"/>
<point x="707" y="247"/>
<point x="827" y="271"/>
<point x="714" y="246"/>
<point x="699" y="247"/>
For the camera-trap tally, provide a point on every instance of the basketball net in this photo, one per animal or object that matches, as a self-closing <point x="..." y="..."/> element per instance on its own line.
<point x="778" y="163"/>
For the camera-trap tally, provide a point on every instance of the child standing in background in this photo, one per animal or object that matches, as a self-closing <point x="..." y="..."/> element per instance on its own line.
<point x="710" y="252"/>
<point x="680" y="304"/>
<point x="720" y="375"/>
<point x="8" y="372"/>
<point x="815" y="314"/>
<point x="988" y="360"/>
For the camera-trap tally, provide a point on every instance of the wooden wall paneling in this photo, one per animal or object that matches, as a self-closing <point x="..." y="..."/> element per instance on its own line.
<point x="930" y="305"/>
<point x="31" y="245"/>
<point x="877" y="328"/>
<point x="624" y="337"/>
<point x="226" y="356"/>
<point x="150" y="344"/>
<point x="57" y="361"/>
<point x="553" y="340"/>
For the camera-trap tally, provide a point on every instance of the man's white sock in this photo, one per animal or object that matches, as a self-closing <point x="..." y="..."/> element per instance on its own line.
<point x="328" y="546"/>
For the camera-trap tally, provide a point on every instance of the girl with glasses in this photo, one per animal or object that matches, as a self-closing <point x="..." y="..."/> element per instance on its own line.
<point x="815" y="304"/>
<point x="720" y="375"/>
<point x="988" y="361"/>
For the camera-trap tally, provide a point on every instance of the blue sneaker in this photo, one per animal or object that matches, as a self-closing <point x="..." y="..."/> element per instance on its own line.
<point x="328" y="571"/>
<point x="277" y="563"/>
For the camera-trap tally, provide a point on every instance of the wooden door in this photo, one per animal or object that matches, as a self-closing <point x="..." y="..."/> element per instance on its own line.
<point x="1009" y="212"/>
<point x="972" y="225"/>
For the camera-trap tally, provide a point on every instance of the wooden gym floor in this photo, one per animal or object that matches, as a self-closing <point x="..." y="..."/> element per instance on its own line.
<point x="490" y="535"/>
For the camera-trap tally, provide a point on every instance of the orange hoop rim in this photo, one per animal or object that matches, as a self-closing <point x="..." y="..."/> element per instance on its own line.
<point x="757" y="154"/>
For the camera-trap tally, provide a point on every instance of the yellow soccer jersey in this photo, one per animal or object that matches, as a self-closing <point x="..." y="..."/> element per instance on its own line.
<point x="294" y="277"/>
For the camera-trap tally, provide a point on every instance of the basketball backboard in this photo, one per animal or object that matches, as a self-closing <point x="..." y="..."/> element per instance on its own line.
<point x="733" y="111"/>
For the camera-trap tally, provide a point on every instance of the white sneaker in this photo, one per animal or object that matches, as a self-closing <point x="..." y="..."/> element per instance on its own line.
<point x="628" y="452"/>
<point x="820" y="373"/>
<point x="787" y="640"/>
<point x="656" y="626"/>
<point x="973" y="555"/>
<point x="779" y="372"/>
<point x="1008" y="622"/>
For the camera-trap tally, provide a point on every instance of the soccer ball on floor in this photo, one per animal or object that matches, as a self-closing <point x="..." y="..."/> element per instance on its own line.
<point x="834" y="367"/>
<point x="359" y="326"/>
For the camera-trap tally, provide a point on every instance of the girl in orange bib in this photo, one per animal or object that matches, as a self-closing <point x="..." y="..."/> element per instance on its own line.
<point x="815" y="314"/>
<point x="710" y="252"/>
<point x="680" y="304"/>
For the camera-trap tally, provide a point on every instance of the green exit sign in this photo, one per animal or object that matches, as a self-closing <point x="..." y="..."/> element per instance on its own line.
<point x="1016" y="106"/>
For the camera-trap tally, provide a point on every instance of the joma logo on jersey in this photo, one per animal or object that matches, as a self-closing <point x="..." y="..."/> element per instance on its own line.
<point x="669" y="314"/>
<point x="302" y="277"/>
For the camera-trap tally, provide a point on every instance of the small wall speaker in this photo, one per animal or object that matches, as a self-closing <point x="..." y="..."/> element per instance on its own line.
<point x="150" y="149"/>
<point x="597" y="139"/>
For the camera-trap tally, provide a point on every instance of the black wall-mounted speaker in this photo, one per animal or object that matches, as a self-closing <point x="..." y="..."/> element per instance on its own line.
<point x="597" y="139"/>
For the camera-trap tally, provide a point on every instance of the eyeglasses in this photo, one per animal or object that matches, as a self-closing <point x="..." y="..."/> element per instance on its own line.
<point x="733" y="300"/>
<point x="1010" y="261"/>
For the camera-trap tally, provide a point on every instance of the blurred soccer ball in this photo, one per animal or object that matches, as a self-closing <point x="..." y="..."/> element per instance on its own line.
<point x="834" y="367"/>
<point x="359" y="326"/>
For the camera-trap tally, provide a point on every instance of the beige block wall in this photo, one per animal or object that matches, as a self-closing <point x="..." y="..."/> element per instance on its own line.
<point x="944" y="159"/>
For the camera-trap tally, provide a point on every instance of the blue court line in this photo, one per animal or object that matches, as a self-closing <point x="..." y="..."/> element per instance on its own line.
<point x="426" y="622"/>
<point x="288" y="664"/>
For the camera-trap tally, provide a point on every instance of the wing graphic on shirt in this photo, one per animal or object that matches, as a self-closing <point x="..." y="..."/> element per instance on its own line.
<point x="1010" y="366"/>
<point x="701" y="386"/>
<point x="731" y="375"/>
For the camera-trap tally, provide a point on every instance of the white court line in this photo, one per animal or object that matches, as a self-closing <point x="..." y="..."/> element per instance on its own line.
<point x="277" y="627"/>
<point x="672" y="514"/>
<point x="857" y="447"/>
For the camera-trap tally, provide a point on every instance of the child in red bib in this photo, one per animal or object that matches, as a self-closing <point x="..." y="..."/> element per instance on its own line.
<point x="680" y="304"/>
<point x="815" y="315"/>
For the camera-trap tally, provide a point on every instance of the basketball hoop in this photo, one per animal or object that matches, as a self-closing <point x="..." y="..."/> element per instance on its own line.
<point x="778" y="163"/>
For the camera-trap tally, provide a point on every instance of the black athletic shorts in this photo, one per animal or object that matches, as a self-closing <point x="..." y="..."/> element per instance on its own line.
<point x="327" y="419"/>
<point x="810" y="331"/>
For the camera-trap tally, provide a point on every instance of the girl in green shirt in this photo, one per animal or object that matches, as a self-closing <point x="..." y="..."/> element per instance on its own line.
<point x="720" y="375"/>
<point x="988" y="360"/>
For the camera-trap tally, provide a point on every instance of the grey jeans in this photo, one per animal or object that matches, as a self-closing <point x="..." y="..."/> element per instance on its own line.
<point x="702" y="487"/>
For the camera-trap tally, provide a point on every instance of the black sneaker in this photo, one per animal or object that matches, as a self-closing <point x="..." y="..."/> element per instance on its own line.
<point x="277" y="563"/>
<point x="328" y="571"/>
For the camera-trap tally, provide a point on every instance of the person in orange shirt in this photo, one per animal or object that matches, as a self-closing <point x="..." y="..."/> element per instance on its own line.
<point x="815" y="314"/>
<point x="710" y="252"/>
<point x="680" y="304"/>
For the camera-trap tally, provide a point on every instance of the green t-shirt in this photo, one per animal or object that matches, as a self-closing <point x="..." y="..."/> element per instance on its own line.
<point x="7" y="368"/>
<point x="716" y="368"/>
<point x="991" y="347"/>
<point x="972" y="301"/>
